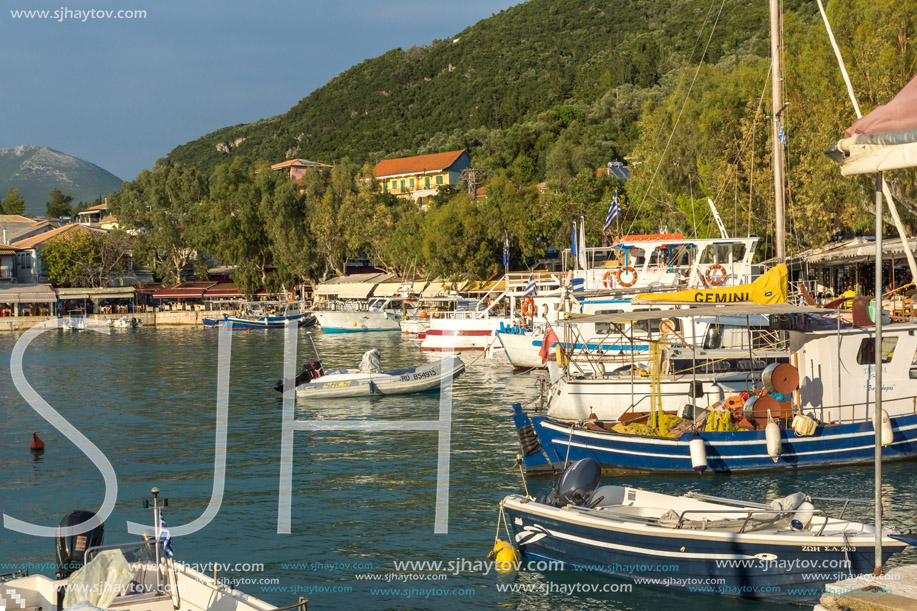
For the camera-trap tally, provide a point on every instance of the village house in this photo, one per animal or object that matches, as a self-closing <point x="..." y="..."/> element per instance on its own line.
<point x="7" y="263"/>
<point x="418" y="178"/>
<point x="297" y="168"/>
<point x="28" y="267"/>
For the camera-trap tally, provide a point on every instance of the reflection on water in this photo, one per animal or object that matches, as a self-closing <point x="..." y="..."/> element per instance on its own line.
<point x="146" y="398"/>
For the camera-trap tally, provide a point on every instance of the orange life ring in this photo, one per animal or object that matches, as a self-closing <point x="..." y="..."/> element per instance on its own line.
<point x="528" y="308"/>
<point x="608" y="280"/>
<point x="633" y="279"/>
<point x="708" y="275"/>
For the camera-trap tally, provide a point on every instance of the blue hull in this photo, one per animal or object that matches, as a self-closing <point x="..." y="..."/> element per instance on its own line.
<point x="728" y="568"/>
<point x="841" y="444"/>
<point x="268" y="322"/>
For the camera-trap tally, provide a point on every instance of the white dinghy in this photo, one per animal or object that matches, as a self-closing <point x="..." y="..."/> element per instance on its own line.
<point x="369" y="379"/>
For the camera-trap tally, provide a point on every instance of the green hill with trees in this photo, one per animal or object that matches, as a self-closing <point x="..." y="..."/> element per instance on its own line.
<point x="546" y="90"/>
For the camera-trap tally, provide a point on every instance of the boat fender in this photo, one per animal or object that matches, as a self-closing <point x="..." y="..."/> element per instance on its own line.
<point x="716" y="395"/>
<point x="804" y="514"/>
<point x="772" y="437"/>
<point x="887" y="433"/>
<point x="559" y="354"/>
<point x="506" y="556"/>
<point x="698" y="454"/>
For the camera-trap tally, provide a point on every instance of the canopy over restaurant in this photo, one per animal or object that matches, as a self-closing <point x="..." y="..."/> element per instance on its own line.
<point x="27" y="300"/>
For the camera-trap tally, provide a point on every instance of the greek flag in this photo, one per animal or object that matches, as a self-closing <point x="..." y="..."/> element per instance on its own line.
<point x="165" y="536"/>
<point x="505" y="249"/>
<point x="781" y="136"/>
<point x="613" y="211"/>
<point x="531" y="288"/>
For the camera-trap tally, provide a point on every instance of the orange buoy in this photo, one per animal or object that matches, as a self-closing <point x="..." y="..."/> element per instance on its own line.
<point x="37" y="444"/>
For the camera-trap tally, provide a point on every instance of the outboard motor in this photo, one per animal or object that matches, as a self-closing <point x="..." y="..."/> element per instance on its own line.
<point x="307" y="373"/>
<point x="577" y="482"/>
<point x="71" y="550"/>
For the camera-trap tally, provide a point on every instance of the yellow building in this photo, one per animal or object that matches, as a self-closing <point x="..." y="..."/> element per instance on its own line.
<point x="420" y="177"/>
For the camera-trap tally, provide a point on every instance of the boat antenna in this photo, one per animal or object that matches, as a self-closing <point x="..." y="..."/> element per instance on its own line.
<point x="314" y="349"/>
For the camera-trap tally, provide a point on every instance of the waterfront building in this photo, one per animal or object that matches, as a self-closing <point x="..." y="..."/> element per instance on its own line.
<point x="28" y="267"/>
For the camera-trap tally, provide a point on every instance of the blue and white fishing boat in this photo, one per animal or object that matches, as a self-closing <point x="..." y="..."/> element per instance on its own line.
<point x="774" y="551"/>
<point x="266" y="315"/>
<point x="827" y="421"/>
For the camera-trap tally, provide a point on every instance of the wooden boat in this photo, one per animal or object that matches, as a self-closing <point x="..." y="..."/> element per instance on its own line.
<point x="370" y="380"/>
<point x="785" y="551"/>
<point x="265" y="315"/>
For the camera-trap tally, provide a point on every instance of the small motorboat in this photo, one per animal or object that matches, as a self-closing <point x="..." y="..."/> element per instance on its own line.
<point x="313" y="381"/>
<point x="135" y="576"/>
<point x="753" y="550"/>
<point x="126" y="322"/>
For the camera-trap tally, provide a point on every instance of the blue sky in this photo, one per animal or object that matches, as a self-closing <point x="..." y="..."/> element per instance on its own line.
<point x="121" y="93"/>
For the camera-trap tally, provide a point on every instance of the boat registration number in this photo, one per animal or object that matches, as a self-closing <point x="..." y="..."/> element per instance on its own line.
<point x="828" y="548"/>
<point x="418" y="376"/>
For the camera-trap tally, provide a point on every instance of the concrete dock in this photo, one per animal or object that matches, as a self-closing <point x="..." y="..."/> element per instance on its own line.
<point x="896" y="590"/>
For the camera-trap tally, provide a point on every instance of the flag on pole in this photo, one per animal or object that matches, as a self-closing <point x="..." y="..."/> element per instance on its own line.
<point x="165" y="536"/>
<point x="550" y="338"/>
<point x="505" y="249"/>
<point x="573" y="249"/>
<point x="613" y="211"/>
<point x="531" y="287"/>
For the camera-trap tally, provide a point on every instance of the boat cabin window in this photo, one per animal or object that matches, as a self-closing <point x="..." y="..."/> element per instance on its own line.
<point x="738" y="252"/>
<point x="716" y="253"/>
<point x="637" y="327"/>
<point x="660" y="257"/>
<point x="866" y="355"/>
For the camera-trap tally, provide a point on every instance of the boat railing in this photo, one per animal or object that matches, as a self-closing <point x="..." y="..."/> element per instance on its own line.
<point x="141" y="552"/>
<point x="302" y="605"/>
<point x="828" y="499"/>
<point x="780" y="513"/>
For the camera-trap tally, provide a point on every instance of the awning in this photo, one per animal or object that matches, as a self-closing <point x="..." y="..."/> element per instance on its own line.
<point x="435" y="289"/>
<point x="387" y="289"/>
<point x="737" y="310"/>
<point x="121" y="292"/>
<point x="224" y="290"/>
<point x="38" y="293"/>
<point x="418" y="286"/>
<point x="185" y="290"/>
<point x="355" y="290"/>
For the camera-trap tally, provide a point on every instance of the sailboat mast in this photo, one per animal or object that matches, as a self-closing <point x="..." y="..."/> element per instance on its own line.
<point x="777" y="107"/>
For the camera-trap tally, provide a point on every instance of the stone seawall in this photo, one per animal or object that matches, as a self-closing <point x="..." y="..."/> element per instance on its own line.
<point x="150" y="319"/>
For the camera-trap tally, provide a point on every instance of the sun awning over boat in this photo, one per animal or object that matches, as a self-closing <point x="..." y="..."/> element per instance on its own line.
<point x="418" y="287"/>
<point x="736" y="310"/>
<point x="36" y="293"/>
<point x="885" y="139"/>
<point x="185" y="290"/>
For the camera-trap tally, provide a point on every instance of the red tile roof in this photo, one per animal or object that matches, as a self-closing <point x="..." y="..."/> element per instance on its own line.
<point x="415" y="165"/>
<point x="43" y="237"/>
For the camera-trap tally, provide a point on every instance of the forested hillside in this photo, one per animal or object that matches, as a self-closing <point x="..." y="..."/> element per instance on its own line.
<point x="574" y="59"/>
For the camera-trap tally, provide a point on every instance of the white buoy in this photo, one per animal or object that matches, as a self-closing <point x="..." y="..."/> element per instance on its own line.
<point x="887" y="433"/>
<point x="698" y="454"/>
<point x="772" y="436"/>
<point x="804" y="514"/>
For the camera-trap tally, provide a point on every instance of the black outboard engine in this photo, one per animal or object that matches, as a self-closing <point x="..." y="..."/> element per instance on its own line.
<point x="71" y="550"/>
<point x="577" y="483"/>
<point x="307" y="373"/>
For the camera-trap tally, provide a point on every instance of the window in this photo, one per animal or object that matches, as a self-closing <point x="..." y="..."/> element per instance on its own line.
<point x="385" y="187"/>
<point x="411" y="183"/>
<point x="439" y="179"/>
<point x="427" y="182"/>
<point x="402" y="185"/>
<point x="866" y="355"/>
<point x="394" y="185"/>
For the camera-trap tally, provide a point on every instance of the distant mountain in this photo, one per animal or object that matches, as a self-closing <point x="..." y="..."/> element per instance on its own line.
<point x="35" y="170"/>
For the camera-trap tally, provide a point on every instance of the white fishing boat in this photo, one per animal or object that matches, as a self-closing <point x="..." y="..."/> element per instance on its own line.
<point x="370" y="380"/>
<point x="359" y="316"/>
<point x="136" y="576"/>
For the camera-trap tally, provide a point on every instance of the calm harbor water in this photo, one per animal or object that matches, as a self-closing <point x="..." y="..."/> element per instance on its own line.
<point x="361" y="500"/>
